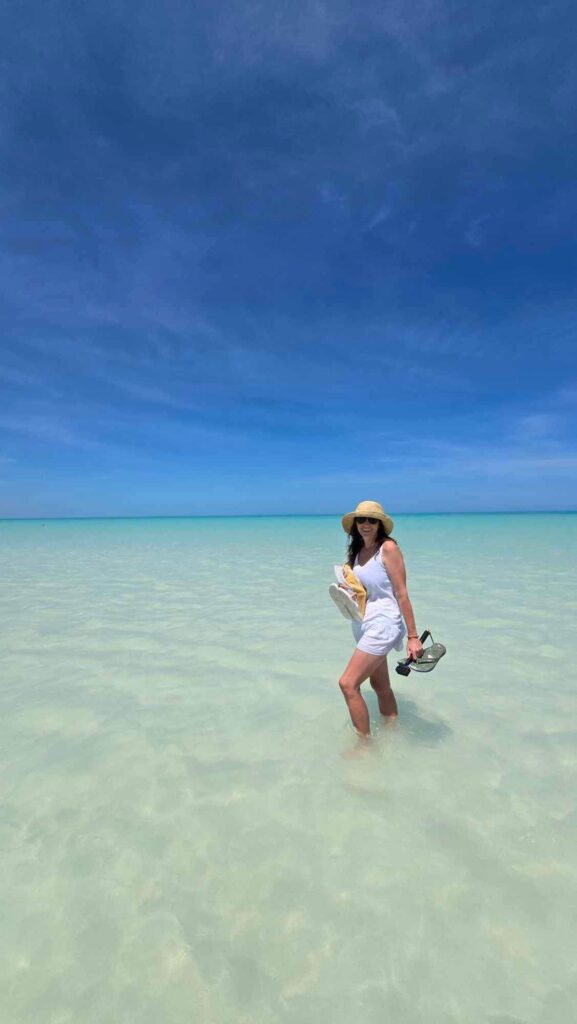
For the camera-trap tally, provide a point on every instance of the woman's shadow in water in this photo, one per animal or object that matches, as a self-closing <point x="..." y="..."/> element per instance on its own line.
<point x="422" y="731"/>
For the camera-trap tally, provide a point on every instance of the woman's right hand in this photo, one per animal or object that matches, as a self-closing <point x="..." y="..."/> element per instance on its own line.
<point x="414" y="648"/>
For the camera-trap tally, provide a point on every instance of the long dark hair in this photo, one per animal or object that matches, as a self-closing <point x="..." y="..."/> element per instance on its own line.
<point x="356" y="541"/>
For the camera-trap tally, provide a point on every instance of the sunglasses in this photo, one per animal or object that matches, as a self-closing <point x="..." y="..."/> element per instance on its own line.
<point x="365" y="519"/>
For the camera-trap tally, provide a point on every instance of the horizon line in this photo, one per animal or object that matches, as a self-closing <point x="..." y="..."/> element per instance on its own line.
<point x="282" y="515"/>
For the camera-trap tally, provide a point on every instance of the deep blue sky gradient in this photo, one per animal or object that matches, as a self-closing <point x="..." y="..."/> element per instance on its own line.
<point x="262" y="257"/>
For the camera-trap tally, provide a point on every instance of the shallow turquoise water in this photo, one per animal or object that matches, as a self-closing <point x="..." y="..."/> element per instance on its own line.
<point x="184" y="841"/>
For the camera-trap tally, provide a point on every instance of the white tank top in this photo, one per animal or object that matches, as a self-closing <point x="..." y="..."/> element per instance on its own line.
<point x="381" y="598"/>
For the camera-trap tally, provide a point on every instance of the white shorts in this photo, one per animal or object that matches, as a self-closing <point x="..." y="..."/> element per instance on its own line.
<point x="378" y="635"/>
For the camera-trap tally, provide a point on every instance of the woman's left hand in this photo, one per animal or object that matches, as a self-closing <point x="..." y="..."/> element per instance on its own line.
<point x="414" y="648"/>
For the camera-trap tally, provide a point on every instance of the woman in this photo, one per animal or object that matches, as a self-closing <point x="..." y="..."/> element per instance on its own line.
<point x="378" y="563"/>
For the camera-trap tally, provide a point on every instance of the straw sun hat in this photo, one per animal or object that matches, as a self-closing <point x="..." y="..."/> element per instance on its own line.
<point x="372" y="510"/>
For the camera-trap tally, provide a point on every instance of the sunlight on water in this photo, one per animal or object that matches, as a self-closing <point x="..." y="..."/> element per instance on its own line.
<point x="183" y="839"/>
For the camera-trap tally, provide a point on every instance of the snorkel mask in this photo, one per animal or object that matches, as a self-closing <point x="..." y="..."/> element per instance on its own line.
<point x="429" y="658"/>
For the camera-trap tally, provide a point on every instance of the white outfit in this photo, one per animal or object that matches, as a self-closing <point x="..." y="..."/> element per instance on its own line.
<point x="382" y="627"/>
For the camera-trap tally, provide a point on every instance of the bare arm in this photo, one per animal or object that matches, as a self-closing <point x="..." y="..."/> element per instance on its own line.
<point x="395" y="566"/>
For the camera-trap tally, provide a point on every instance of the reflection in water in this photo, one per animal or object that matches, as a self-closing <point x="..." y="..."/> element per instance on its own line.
<point x="418" y="727"/>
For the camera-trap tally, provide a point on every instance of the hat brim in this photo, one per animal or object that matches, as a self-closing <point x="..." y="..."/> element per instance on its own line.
<point x="348" y="520"/>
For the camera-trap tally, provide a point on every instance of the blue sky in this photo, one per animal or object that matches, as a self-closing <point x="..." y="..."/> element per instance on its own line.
<point x="264" y="257"/>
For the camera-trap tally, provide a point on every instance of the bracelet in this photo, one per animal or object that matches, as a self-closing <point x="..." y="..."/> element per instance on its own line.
<point x="412" y="636"/>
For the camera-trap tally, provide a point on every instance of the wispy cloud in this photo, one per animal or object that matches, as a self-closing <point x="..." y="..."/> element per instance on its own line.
<point x="156" y="396"/>
<point x="568" y="393"/>
<point x="42" y="428"/>
<point x="19" y="377"/>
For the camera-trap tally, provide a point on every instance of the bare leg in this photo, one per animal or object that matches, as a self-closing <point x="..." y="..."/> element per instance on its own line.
<point x="381" y="684"/>
<point x="360" y="667"/>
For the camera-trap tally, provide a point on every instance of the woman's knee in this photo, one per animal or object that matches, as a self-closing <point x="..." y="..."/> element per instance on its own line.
<point x="348" y="686"/>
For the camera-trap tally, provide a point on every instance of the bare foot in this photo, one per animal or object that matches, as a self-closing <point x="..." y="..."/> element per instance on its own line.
<point x="389" y="719"/>
<point x="363" y="745"/>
